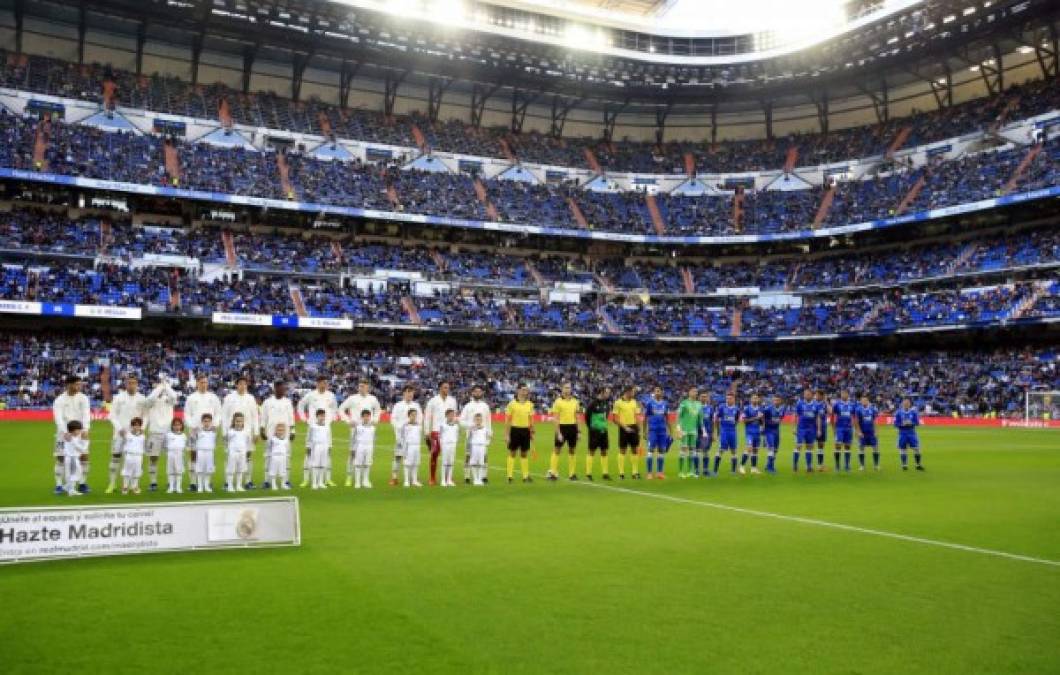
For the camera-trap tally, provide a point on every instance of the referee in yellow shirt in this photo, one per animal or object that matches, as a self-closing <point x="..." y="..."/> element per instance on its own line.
<point x="565" y="411"/>
<point x="626" y="412"/>
<point x="518" y="420"/>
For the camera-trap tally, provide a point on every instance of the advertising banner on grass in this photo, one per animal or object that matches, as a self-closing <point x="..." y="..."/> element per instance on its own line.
<point x="50" y="533"/>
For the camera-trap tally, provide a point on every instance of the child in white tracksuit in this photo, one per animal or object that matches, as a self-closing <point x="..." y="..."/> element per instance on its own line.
<point x="277" y="452"/>
<point x="478" y="440"/>
<point x="204" y="443"/>
<point x="411" y="437"/>
<point x="175" y="443"/>
<point x="319" y="442"/>
<point x="363" y="451"/>
<point x="75" y="444"/>
<point x="133" y="446"/>
<point x="448" y="439"/>
<point x="238" y="444"/>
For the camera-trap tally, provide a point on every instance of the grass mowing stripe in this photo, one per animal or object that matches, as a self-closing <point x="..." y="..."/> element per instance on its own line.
<point x="815" y="521"/>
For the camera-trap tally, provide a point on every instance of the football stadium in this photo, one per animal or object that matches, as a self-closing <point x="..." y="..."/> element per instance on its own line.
<point x="530" y="336"/>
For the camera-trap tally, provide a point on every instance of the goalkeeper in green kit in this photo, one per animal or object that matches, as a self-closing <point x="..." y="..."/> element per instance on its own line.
<point x="689" y="419"/>
<point x="596" y="419"/>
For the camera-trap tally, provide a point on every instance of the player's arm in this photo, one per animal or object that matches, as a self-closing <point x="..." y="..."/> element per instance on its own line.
<point x="343" y="411"/>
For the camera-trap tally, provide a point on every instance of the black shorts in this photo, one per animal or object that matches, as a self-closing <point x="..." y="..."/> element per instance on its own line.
<point x="628" y="440"/>
<point x="567" y="434"/>
<point x="598" y="440"/>
<point x="519" y="439"/>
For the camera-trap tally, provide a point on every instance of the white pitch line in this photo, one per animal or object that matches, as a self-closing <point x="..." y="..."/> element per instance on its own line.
<point x="820" y="523"/>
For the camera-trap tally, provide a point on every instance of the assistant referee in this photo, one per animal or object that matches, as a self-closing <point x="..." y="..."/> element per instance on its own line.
<point x="518" y="417"/>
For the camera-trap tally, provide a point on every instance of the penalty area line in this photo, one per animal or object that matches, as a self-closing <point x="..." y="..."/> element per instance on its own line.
<point x="819" y="523"/>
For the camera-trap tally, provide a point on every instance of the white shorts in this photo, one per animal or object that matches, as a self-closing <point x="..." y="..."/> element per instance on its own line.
<point x="235" y="462"/>
<point x="412" y="455"/>
<point x="132" y="466"/>
<point x="276" y="465"/>
<point x="318" y="457"/>
<point x="478" y="456"/>
<point x="363" y="456"/>
<point x="448" y="454"/>
<point x="174" y="463"/>
<point x="155" y="444"/>
<point x="204" y="461"/>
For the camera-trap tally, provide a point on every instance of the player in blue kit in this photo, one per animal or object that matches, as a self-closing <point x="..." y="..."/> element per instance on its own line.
<point x="906" y="420"/>
<point x="657" y="431"/>
<point x="805" y="430"/>
<point x="705" y="438"/>
<point x="823" y="413"/>
<point x="752" y="431"/>
<point x="866" y="415"/>
<point x="772" y="414"/>
<point x="727" y="416"/>
<point x="843" y="423"/>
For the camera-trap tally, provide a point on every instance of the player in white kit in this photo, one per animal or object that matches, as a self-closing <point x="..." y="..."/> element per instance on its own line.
<point x="479" y="437"/>
<point x="411" y="435"/>
<point x="176" y="443"/>
<point x="277" y="454"/>
<point x="203" y="444"/>
<point x="433" y="419"/>
<point x="200" y="402"/>
<point x="127" y="404"/>
<point x="238" y="441"/>
<point x="160" y="404"/>
<point x="476" y="406"/>
<point x="319" y="398"/>
<point x="319" y="439"/>
<point x="70" y="406"/>
<point x="75" y="444"/>
<point x="362" y="452"/>
<point x="448" y="439"/>
<point x="350" y="411"/>
<point x="399" y="417"/>
<point x="275" y="410"/>
<point x="132" y="452"/>
<point x="242" y="401"/>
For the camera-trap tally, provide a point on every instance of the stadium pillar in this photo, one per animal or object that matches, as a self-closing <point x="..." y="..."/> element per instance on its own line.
<point x="250" y="52"/>
<point x="881" y="104"/>
<point x="713" y="125"/>
<point x="141" y="39"/>
<point x="1046" y="50"/>
<point x="436" y="90"/>
<point x="821" y="103"/>
<point x="767" y="112"/>
<point x="346" y="75"/>
<point x="520" y="102"/>
<point x="479" y="95"/>
<point x="391" y="85"/>
<point x="196" y="52"/>
<point x="560" y="108"/>
<point x="82" y="28"/>
<point x="298" y="66"/>
<point x="610" y="117"/>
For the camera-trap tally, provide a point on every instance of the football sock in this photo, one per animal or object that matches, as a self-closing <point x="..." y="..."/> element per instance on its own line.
<point x="112" y="468"/>
<point x="916" y="458"/>
<point x="820" y="458"/>
<point x="648" y="462"/>
<point x="660" y="462"/>
<point x="603" y="464"/>
<point x="553" y="464"/>
<point x="743" y="459"/>
<point x="905" y="458"/>
<point x="622" y="463"/>
<point x="754" y="460"/>
<point x="876" y="458"/>
<point x="152" y="471"/>
<point x="732" y="463"/>
<point x="634" y="464"/>
<point x="572" y="466"/>
<point x="511" y="466"/>
<point x="524" y="466"/>
<point x="861" y="458"/>
<point x="694" y="460"/>
<point x="795" y="461"/>
<point x="809" y="460"/>
<point x="717" y="462"/>
<point x="395" y="467"/>
<point x="59" y="473"/>
<point x="835" y="454"/>
<point x="846" y="460"/>
<point x="589" y="465"/>
<point x="250" y="469"/>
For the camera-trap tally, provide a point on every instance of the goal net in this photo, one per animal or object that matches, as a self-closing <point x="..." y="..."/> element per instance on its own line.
<point x="1042" y="406"/>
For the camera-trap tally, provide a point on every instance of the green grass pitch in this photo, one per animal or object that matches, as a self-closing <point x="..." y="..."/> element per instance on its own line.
<point x="578" y="578"/>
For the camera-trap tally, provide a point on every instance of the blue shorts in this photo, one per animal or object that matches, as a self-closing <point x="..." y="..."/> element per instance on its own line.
<point x="752" y="438"/>
<point x="658" y="440"/>
<point x="844" y="436"/>
<point x="868" y="441"/>
<point x="907" y="440"/>
<point x="705" y="441"/>
<point x="772" y="439"/>
<point x="805" y="436"/>
<point x="727" y="441"/>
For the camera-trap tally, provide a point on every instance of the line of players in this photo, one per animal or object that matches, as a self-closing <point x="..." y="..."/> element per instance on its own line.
<point x="146" y="426"/>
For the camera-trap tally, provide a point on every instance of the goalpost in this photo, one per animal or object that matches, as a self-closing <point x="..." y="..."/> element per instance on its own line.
<point x="1041" y="406"/>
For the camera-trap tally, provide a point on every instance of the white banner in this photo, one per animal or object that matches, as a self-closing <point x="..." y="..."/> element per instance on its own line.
<point x="325" y="322"/>
<point x="242" y="319"/>
<point x="19" y="307"/>
<point x="108" y="312"/>
<point x="47" y="533"/>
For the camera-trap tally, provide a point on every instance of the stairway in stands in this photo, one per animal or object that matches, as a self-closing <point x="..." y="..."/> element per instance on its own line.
<point x="230" y="248"/>
<point x="656" y="216"/>
<point x="285" y="175"/>
<point x="297" y="300"/>
<point x="409" y="305"/>
<point x="899" y="140"/>
<point x="590" y="159"/>
<point x="172" y="159"/>
<point x="484" y="199"/>
<point x="737" y="322"/>
<point x="609" y="324"/>
<point x="40" y="145"/>
<point x="1027" y="160"/>
<point x="826" y="205"/>
<point x="535" y="274"/>
<point x="688" y="280"/>
<point x="576" y="211"/>
<point x="910" y="196"/>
